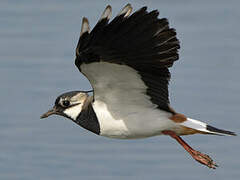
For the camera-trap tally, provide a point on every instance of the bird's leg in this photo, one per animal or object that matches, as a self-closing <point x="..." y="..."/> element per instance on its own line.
<point x="198" y="156"/>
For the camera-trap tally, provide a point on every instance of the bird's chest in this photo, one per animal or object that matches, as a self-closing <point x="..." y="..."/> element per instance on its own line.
<point x="128" y="122"/>
<point x="110" y="125"/>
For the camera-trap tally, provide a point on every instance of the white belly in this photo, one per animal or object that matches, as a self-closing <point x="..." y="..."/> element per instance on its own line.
<point x="123" y="108"/>
<point x="129" y="122"/>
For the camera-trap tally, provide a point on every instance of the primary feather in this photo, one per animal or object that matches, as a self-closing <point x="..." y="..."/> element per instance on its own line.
<point x="140" y="41"/>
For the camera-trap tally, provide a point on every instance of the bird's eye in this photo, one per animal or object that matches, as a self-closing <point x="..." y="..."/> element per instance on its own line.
<point x="65" y="103"/>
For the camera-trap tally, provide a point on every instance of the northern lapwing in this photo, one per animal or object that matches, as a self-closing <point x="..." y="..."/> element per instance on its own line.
<point x="126" y="61"/>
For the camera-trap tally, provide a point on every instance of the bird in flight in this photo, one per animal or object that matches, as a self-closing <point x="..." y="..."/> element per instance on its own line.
<point x="127" y="62"/>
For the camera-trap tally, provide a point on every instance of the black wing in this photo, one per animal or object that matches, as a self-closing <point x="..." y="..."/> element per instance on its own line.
<point x="140" y="41"/>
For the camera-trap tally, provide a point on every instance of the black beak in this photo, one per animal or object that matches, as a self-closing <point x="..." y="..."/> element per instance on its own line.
<point x="50" y="112"/>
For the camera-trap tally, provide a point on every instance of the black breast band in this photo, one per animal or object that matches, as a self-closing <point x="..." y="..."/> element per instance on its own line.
<point x="88" y="119"/>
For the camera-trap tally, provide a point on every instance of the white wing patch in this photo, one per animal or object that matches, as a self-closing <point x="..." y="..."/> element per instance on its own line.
<point x="121" y="103"/>
<point x="114" y="84"/>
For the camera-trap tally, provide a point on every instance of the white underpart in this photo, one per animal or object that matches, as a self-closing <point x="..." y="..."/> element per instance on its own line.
<point x="121" y="104"/>
<point x="73" y="111"/>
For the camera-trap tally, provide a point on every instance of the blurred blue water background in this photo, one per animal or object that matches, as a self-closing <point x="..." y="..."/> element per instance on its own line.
<point x="37" y="42"/>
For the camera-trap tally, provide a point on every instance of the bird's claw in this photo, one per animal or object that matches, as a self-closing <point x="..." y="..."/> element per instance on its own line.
<point x="204" y="159"/>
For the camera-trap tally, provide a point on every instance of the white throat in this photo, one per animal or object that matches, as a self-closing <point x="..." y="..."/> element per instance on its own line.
<point x="73" y="111"/>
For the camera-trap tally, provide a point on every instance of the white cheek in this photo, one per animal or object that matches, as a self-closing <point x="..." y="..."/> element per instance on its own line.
<point x="73" y="111"/>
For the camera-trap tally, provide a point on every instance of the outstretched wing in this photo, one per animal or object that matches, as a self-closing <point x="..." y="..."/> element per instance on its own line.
<point x="127" y="60"/>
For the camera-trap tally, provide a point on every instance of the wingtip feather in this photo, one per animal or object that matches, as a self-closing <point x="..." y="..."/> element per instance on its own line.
<point x="107" y="13"/>
<point x="85" y="26"/>
<point x="126" y="11"/>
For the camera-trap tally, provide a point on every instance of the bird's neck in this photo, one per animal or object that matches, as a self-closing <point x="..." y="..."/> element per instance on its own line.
<point x="87" y="118"/>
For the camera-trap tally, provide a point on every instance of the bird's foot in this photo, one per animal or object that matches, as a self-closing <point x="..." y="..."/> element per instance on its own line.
<point x="198" y="156"/>
<point x="203" y="159"/>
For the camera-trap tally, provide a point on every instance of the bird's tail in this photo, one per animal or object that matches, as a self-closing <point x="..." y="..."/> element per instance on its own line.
<point x="201" y="127"/>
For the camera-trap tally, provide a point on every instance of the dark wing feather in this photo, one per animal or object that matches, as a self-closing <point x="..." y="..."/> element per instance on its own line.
<point x="141" y="41"/>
